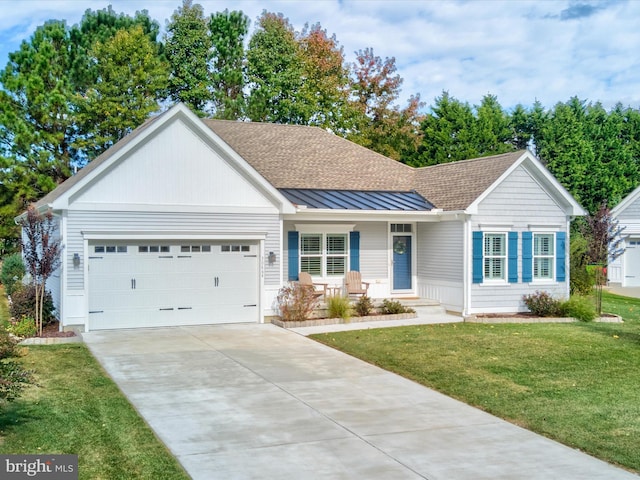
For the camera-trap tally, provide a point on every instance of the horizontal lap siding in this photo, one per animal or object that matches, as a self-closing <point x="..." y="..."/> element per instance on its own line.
<point x="520" y="203"/>
<point x="632" y="212"/>
<point x="374" y="253"/>
<point x="441" y="251"/>
<point x="176" y="223"/>
<point x="440" y="267"/>
<point x="374" y="249"/>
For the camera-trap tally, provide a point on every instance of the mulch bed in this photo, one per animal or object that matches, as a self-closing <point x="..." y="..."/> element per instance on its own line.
<point x="52" y="331"/>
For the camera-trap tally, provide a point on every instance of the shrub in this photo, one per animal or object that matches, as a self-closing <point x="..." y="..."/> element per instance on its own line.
<point x="23" y="304"/>
<point x="339" y="307"/>
<point x="391" y="307"/>
<point x="24" y="327"/>
<point x="12" y="272"/>
<point x="581" y="281"/>
<point x="542" y="304"/>
<point x="13" y="377"/>
<point x="363" y="306"/>
<point x="296" y="302"/>
<point x="580" y="308"/>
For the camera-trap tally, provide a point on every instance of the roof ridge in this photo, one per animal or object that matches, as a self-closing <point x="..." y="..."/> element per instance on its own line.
<point x="476" y="159"/>
<point x="251" y="122"/>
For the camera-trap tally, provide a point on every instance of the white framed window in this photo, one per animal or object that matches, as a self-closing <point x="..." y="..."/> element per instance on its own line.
<point x="495" y="256"/>
<point x="543" y="256"/>
<point x="324" y="254"/>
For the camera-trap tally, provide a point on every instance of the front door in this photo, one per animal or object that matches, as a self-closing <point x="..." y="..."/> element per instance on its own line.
<point x="402" y="262"/>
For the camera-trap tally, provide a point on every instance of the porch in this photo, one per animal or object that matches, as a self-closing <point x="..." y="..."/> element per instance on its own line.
<point x="426" y="311"/>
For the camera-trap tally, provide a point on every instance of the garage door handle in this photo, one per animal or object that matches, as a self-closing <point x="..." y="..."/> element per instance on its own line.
<point x="133" y="284"/>
<point x="216" y="281"/>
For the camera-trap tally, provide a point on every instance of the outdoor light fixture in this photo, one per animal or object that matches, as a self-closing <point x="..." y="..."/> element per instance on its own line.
<point x="272" y="258"/>
<point x="76" y="261"/>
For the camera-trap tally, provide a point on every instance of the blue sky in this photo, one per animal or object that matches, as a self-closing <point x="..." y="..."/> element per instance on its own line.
<point x="518" y="50"/>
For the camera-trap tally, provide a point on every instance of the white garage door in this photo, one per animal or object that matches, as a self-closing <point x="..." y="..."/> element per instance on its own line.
<point x="152" y="284"/>
<point x="632" y="263"/>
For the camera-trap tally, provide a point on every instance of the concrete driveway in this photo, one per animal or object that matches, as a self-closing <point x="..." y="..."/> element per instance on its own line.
<point x="256" y="401"/>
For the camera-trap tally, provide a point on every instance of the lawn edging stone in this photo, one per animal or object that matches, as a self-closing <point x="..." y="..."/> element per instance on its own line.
<point x="50" y="340"/>
<point x="609" y="318"/>
<point x="333" y="321"/>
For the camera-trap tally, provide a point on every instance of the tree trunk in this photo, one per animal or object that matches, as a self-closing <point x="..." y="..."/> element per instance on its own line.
<point x="37" y="313"/>
<point x="43" y="289"/>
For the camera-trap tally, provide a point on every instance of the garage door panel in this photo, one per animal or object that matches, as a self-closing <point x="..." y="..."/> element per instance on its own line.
<point x="139" y="288"/>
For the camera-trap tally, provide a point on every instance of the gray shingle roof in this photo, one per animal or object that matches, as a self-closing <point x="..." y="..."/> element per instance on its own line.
<point x="296" y="156"/>
<point x="456" y="185"/>
<point x="303" y="157"/>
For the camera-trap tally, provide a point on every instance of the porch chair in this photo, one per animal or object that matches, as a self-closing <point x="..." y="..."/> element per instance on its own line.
<point x="305" y="279"/>
<point x="354" y="285"/>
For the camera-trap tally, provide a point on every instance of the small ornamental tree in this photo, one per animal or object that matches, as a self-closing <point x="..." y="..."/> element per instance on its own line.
<point x="605" y="237"/>
<point x="41" y="249"/>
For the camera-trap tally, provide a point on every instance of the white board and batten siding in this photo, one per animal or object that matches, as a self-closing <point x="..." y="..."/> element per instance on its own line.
<point x="517" y="204"/>
<point x="175" y="190"/>
<point x="441" y="263"/>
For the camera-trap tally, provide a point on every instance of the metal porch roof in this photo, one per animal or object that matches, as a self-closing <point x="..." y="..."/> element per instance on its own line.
<point x="356" y="199"/>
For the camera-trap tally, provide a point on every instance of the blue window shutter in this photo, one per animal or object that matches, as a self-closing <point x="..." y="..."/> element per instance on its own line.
<point x="354" y="251"/>
<point x="513" y="257"/>
<point x="294" y="259"/>
<point x="477" y="254"/>
<point x="527" y="256"/>
<point x="561" y="247"/>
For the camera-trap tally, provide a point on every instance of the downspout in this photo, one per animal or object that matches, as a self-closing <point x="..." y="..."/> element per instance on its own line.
<point x="567" y="257"/>
<point x="64" y="273"/>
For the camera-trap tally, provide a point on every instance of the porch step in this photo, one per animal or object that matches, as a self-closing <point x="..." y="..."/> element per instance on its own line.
<point x="422" y="306"/>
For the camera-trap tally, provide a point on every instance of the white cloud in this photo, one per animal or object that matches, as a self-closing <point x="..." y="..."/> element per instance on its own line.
<point x="520" y="51"/>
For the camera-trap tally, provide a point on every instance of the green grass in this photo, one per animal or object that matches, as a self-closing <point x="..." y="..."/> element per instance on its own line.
<point x="77" y="409"/>
<point x="577" y="383"/>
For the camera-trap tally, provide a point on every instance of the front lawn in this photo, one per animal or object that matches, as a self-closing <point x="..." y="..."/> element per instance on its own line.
<point x="576" y="383"/>
<point x="77" y="409"/>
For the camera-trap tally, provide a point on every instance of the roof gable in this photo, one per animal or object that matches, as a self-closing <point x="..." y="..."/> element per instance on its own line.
<point x="75" y="186"/>
<point x="173" y="169"/>
<point x="456" y="185"/>
<point x="626" y="203"/>
<point x="463" y="185"/>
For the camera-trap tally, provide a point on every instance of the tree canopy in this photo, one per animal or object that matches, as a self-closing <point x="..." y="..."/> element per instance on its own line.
<point x="70" y="92"/>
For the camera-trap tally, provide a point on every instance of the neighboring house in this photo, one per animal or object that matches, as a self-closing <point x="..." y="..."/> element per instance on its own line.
<point x="625" y="270"/>
<point x="189" y="221"/>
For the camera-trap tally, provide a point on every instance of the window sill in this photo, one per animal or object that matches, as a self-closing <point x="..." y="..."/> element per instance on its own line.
<point x="494" y="283"/>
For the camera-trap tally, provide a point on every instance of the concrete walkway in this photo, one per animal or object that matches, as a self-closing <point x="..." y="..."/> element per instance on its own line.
<point x="423" y="318"/>
<point x="625" y="291"/>
<point x="249" y="401"/>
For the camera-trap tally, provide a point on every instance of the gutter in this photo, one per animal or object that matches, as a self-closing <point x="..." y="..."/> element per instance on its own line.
<point x="41" y="209"/>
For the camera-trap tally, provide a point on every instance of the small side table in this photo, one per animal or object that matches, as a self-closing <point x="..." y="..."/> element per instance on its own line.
<point x="334" y="291"/>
